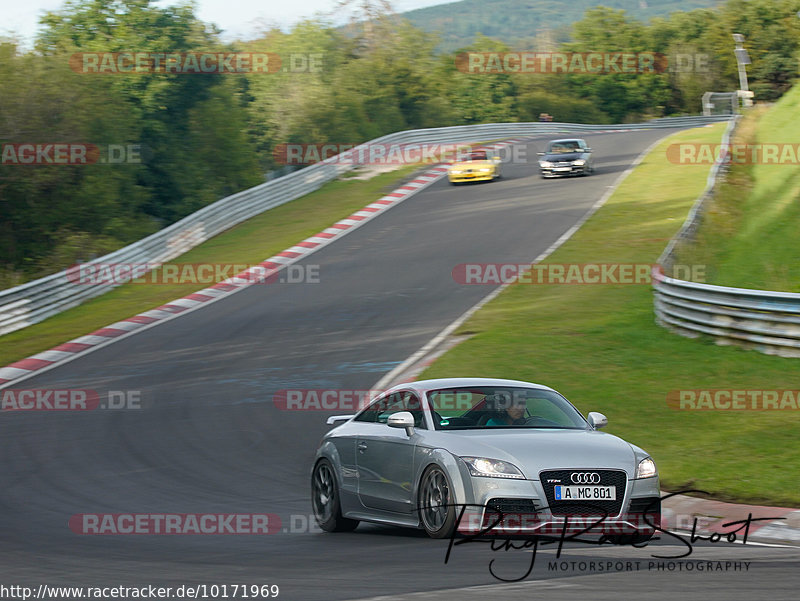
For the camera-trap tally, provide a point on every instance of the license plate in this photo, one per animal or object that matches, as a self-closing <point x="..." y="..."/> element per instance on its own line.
<point x="563" y="169"/>
<point x="585" y="493"/>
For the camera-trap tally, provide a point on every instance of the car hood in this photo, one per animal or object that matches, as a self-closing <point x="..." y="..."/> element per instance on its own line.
<point x="562" y="156"/>
<point x="534" y="450"/>
<point x="472" y="165"/>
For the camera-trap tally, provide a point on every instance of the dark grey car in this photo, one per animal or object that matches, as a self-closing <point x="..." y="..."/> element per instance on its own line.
<point x="569" y="156"/>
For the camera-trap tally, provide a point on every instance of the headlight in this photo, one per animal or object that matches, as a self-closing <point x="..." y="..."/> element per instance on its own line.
<point x="492" y="468"/>
<point x="485" y="170"/>
<point x="646" y="469"/>
<point x="579" y="162"/>
<point x="455" y="172"/>
<point x="545" y="164"/>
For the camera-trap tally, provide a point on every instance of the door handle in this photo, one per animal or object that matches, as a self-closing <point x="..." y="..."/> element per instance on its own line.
<point x="362" y="446"/>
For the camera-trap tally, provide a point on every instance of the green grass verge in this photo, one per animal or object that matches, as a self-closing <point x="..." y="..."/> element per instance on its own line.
<point x="600" y="346"/>
<point x="248" y="243"/>
<point x="749" y="234"/>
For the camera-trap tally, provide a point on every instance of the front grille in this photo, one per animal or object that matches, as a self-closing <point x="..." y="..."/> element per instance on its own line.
<point x="615" y="478"/>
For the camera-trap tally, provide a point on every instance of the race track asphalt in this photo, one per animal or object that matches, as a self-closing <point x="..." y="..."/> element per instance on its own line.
<point x="209" y="439"/>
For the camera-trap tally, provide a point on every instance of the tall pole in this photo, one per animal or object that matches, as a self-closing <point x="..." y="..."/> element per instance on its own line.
<point x="742" y="59"/>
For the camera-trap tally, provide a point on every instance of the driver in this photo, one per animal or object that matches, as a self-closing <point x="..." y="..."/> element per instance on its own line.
<point x="514" y="415"/>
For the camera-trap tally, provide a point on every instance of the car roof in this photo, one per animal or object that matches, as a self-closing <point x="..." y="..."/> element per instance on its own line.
<point x="423" y="386"/>
<point x="567" y="140"/>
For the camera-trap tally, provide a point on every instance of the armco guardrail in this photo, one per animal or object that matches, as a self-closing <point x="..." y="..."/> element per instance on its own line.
<point x="760" y="319"/>
<point x="39" y="299"/>
<point x="766" y="321"/>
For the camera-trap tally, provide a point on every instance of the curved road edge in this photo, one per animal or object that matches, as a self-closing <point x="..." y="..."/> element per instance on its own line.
<point x="64" y="353"/>
<point x="679" y="512"/>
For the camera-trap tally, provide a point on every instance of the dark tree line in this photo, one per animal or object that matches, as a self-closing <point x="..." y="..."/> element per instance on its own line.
<point x="202" y="137"/>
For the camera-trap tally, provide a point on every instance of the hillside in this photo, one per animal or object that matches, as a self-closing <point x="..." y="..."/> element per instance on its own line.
<point x="517" y="22"/>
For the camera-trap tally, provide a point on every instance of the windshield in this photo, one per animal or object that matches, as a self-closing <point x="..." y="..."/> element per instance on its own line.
<point x="508" y="407"/>
<point x="476" y="156"/>
<point x="563" y="147"/>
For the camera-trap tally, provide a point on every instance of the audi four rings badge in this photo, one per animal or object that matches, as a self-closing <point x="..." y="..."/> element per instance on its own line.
<point x="585" y="478"/>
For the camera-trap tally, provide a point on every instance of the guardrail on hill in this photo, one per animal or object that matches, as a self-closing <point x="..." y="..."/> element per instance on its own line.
<point x="760" y="319"/>
<point x="37" y="300"/>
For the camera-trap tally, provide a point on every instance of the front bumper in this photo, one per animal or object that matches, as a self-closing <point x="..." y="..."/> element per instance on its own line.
<point x="563" y="171"/>
<point x="589" y="526"/>
<point x="470" y="177"/>
<point x="520" y="507"/>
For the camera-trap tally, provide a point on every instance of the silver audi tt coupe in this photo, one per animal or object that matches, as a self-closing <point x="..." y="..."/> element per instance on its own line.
<point x="487" y="457"/>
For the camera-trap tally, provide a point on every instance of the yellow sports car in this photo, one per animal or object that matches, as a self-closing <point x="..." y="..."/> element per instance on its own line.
<point x="476" y="167"/>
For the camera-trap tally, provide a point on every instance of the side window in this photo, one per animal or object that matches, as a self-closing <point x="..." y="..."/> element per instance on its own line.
<point x="395" y="404"/>
<point x="414" y="405"/>
<point x="546" y="409"/>
<point x="380" y="410"/>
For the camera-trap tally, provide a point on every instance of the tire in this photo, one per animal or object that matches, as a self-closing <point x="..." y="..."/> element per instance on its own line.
<point x="436" y="503"/>
<point x="325" y="500"/>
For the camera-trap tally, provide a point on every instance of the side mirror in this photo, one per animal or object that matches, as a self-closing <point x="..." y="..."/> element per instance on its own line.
<point x="402" y="419"/>
<point x="597" y="420"/>
<point x="587" y="150"/>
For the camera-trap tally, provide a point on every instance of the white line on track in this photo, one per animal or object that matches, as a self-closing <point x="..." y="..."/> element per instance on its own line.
<point x="388" y="380"/>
